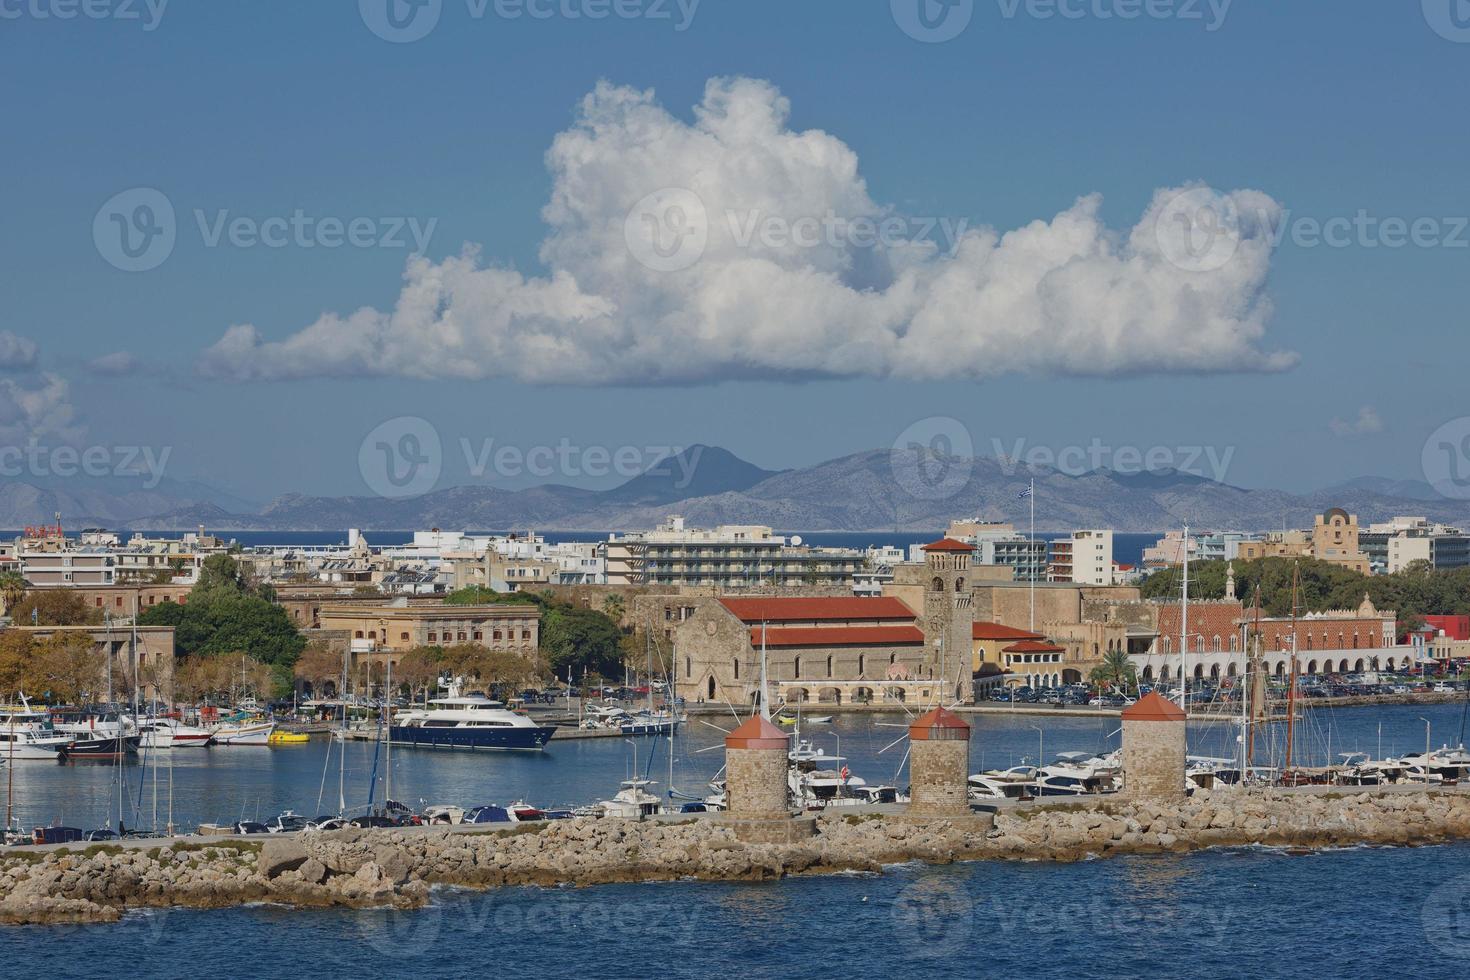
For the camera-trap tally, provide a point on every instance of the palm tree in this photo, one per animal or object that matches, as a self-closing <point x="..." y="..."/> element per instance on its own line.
<point x="12" y="589"/>
<point x="1115" y="671"/>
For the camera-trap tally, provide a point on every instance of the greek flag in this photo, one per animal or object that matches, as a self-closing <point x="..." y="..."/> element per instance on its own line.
<point x="1024" y="493"/>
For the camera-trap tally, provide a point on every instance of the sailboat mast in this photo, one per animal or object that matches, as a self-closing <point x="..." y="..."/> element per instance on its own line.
<point x="388" y="748"/>
<point x="1291" y="689"/>
<point x="1184" y="628"/>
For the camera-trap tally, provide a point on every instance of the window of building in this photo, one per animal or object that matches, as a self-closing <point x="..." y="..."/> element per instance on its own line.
<point x="432" y="636"/>
<point x="525" y="634"/>
<point x="358" y="635"/>
<point x="495" y="634"/>
<point x="460" y="635"/>
<point x="403" y="636"/>
<point x="479" y="635"/>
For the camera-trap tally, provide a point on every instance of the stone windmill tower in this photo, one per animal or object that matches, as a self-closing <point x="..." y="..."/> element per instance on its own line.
<point x="949" y="616"/>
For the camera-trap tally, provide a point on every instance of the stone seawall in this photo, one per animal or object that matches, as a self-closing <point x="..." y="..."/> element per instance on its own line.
<point x="398" y="868"/>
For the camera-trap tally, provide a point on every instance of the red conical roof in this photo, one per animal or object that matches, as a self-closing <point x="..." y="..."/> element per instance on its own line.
<point x="758" y="733"/>
<point x="1153" y="707"/>
<point x="939" y="725"/>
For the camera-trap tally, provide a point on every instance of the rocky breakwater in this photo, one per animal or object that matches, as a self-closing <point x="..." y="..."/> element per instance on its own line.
<point x="399" y="867"/>
<point x="1231" y="817"/>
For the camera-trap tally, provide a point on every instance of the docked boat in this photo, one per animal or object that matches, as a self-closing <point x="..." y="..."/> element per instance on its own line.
<point x="99" y="746"/>
<point x="246" y="732"/>
<point x="1015" y="783"/>
<point x="470" y="721"/>
<point x="288" y="738"/>
<point x="1077" y="774"/>
<point x="649" y="723"/>
<point x="170" y="733"/>
<point x="632" y="801"/>
<point x="28" y="735"/>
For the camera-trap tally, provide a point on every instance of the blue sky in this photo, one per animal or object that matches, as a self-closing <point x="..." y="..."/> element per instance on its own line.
<point x="1328" y="108"/>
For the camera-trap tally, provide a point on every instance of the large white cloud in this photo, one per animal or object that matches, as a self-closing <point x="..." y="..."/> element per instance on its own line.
<point x="40" y="411"/>
<point x="1062" y="296"/>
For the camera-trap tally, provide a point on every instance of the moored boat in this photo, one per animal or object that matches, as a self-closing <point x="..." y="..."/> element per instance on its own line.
<point x="470" y="721"/>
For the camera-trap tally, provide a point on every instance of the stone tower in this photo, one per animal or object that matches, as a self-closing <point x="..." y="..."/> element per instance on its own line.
<point x="949" y="616"/>
<point x="1153" y="749"/>
<point x="939" y="765"/>
<point x="755" y="771"/>
<point x="1230" y="581"/>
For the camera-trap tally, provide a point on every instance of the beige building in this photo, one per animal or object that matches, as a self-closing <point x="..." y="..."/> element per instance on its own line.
<point x="396" y="628"/>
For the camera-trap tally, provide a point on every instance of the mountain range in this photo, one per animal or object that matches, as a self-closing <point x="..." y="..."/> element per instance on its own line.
<point x="876" y="490"/>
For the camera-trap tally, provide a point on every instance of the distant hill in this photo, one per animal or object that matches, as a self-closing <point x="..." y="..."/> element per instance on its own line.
<point x="877" y="490"/>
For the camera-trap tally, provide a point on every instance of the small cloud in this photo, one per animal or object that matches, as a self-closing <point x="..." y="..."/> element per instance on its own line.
<point x="16" y="353"/>
<point x="1366" y="422"/>
<point x="116" y="363"/>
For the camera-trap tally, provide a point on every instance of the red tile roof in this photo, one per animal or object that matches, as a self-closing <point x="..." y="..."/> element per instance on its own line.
<point x="1206" y="619"/>
<point x="948" y="544"/>
<point x="794" y="609"/>
<point x="841" y="636"/>
<point x="757" y="733"/>
<point x="1153" y="707"/>
<point x="1034" y="646"/>
<point x="939" y="725"/>
<point x="999" y="631"/>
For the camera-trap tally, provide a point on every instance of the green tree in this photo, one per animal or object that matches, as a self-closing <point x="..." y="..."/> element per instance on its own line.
<point x="12" y="589"/>
<point x="221" y="621"/>
<point x="54" y="607"/>
<point x="1116" y="671"/>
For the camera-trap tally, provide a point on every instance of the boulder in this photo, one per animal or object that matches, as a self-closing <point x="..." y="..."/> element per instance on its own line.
<point x="278" y="854"/>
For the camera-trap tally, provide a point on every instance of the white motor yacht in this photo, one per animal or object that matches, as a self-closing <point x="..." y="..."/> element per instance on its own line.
<point x="170" y="733"/>
<point x="29" y="735"/>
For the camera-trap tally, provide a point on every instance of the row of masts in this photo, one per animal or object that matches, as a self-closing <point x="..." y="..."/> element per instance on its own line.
<point x="1254" y="706"/>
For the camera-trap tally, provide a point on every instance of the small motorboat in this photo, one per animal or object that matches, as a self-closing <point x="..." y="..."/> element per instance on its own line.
<point x="244" y="733"/>
<point x="288" y="738"/>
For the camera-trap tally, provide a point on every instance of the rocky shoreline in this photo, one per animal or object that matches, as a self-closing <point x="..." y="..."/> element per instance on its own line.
<point x="361" y="869"/>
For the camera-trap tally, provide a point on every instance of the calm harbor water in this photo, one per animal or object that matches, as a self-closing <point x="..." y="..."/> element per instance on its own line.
<point x="1358" y="912"/>
<point x="224" y="784"/>
<point x="1238" y="913"/>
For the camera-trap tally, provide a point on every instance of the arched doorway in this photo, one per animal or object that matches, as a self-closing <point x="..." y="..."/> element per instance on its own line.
<point x="711" y="695"/>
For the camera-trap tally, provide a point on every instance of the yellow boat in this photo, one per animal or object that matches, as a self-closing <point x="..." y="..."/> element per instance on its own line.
<point x="279" y="737"/>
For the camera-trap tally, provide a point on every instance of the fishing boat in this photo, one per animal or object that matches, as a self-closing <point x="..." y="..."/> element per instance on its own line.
<point x="98" y="746"/>
<point x="470" y="721"/>
<point x="170" y="733"/>
<point x="244" y="732"/>
<point x="288" y="738"/>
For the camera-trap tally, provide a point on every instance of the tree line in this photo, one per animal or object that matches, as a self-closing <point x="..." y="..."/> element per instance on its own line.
<point x="1418" y="591"/>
